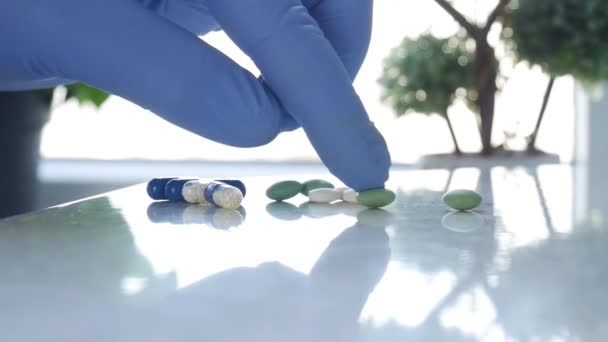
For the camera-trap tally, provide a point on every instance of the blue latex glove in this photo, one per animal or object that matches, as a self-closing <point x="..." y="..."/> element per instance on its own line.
<point x="147" y="51"/>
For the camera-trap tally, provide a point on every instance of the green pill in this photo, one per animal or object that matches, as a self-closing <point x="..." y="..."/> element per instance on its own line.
<point x="283" y="190"/>
<point x="376" y="198"/>
<point x="315" y="184"/>
<point x="462" y="199"/>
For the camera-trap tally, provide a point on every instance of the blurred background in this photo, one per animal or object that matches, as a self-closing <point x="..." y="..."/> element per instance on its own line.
<point x="444" y="92"/>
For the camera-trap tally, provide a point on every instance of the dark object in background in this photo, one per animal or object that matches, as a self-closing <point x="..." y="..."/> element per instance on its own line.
<point x="22" y="116"/>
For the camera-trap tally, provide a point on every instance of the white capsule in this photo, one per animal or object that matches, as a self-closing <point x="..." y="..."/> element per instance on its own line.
<point x="324" y="195"/>
<point x="350" y="196"/>
<point x="194" y="192"/>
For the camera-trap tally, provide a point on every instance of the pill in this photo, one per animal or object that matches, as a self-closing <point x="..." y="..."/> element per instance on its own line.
<point x="194" y="192"/>
<point x="156" y="188"/>
<point x="350" y="196"/>
<point x="284" y="190"/>
<point x="235" y="183"/>
<point x="223" y="195"/>
<point x="315" y="184"/>
<point x="342" y="189"/>
<point x="462" y="199"/>
<point x="376" y="198"/>
<point x="173" y="189"/>
<point x="324" y="195"/>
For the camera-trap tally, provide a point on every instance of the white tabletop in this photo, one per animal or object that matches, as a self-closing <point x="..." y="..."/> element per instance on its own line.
<point x="120" y="267"/>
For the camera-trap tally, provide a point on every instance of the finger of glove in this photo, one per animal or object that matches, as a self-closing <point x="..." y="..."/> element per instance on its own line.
<point x="130" y="51"/>
<point x="347" y="24"/>
<point x="303" y="69"/>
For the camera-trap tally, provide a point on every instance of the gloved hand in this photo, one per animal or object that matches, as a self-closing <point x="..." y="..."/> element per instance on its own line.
<point x="147" y="51"/>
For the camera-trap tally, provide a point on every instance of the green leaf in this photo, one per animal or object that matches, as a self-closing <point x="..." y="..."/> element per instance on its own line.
<point x="564" y="37"/>
<point x="86" y="94"/>
<point x="426" y="74"/>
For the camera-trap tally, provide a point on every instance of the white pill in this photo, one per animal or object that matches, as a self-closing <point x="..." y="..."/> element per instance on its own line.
<point x="342" y="189"/>
<point x="350" y="196"/>
<point x="194" y="192"/>
<point x="324" y="195"/>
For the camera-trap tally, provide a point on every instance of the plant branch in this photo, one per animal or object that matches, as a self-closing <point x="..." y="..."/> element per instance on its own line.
<point x="498" y="11"/>
<point x="472" y="29"/>
<point x="532" y="138"/>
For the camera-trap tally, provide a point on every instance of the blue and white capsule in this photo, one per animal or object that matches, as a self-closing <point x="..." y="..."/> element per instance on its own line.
<point x="223" y="195"/>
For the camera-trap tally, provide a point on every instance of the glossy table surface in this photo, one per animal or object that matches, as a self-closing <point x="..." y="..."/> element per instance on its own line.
<point x="120" y="267"/>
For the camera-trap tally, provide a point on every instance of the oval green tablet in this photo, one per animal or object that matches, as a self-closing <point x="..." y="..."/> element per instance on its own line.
<point x="462" y="199"/>
<point x="315" y="184"/>
<point x="376" y="198"/>
<point x="283" y="190"/>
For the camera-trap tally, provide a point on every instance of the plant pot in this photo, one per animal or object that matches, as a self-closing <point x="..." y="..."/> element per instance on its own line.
<point x="22" y="117"/>
<point x="511" y="159"/>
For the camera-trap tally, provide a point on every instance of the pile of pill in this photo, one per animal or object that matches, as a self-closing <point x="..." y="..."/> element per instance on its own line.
<point x="224" y="193"/>
<point x="320" y="191"/>
<point x="462" y="199"/>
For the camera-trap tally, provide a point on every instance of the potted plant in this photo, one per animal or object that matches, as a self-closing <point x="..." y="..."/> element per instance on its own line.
<point x="23" y="115"/>
<point x="477" y="58"/>
<point x="426" y="75"/>
<point x="563" y="37"/>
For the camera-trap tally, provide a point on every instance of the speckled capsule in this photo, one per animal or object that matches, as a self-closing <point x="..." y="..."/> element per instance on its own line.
<point x="223" y="195"/>
<point x="235" y="183"/>
<point x="194" y="192"/>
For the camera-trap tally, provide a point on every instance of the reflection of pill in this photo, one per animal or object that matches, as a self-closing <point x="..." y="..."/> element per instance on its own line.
<point x="156" y="188"/>
<point x="223" y="195"/>
<point x="374" y="217"/>
<point x="324" y="195"/>
<point x="235" y="183"/>
<point x="284" y="211"/>
<point x="349" y="196"/>
<point x="318" y="210"/>
<point x="315" y="184"/>
<point x="194" y="192"/>
<point x="226" y="218"/>
<point x="176" y="215"/>
<point x="462" y="199"/>
<point x="173" y="189"/>
<point x="283" y="190"/>
<point x="462" y="221"/>
<point x="196" y="214"/>
<point x="348" y="209"/>
<point x="159" y="212"/>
